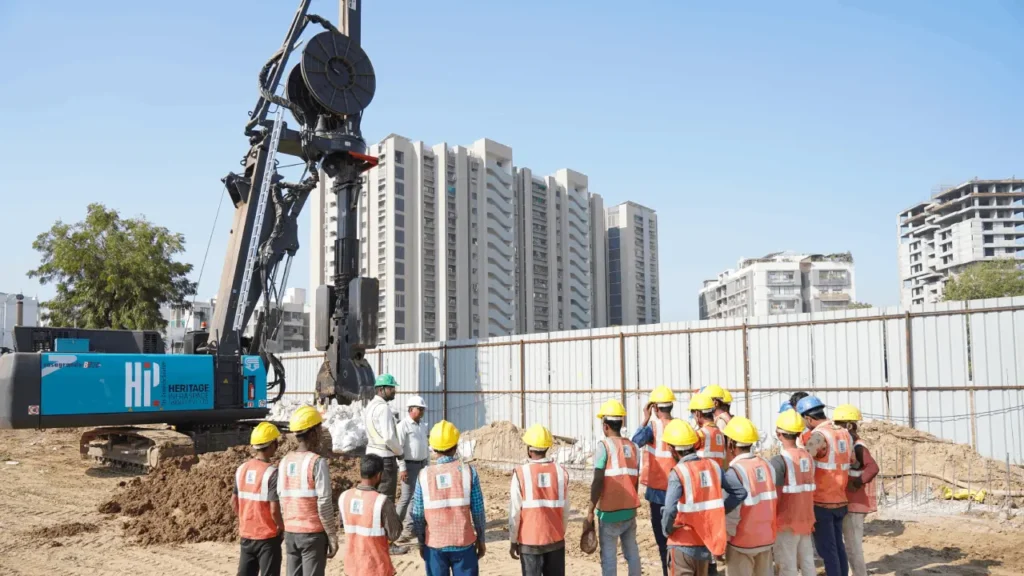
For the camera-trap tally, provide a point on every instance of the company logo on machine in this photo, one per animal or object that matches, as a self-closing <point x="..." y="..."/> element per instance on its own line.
<point x="252" y="363"/>
<point x="139" y="380"/>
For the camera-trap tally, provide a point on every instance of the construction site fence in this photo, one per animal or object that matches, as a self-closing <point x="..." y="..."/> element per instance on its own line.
<point x="954" y="369"/>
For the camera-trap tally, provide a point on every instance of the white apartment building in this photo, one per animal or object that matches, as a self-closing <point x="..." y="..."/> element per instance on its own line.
<point x="633" y="282"/>
<point x="561" y="255"/>
<point x="9" y="316"/>
<point x="444" y="230"/>
<point x="780" y="283"/>
<point x="180" y="321"/>
<point x="292" y="333"/>
<point x="976" y="221"/>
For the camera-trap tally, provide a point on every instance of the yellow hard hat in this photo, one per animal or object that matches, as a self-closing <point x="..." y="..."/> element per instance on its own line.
<point x="679" y="434"/>
<point x="741" y="430"/>
<point x="846" y="413"/>
<point x="264" y="433"/>
<point x="539" y="437"/>
<point x="726" y="396"/>
<point x="790" y="421"/>
<point x="304" y="418"/>
<point x="443" y="436"/>
<point x="701" y="402"/>
<point x="612" y="409"/>
<point x="714" y="391"/>
<point x="662" y="395"/>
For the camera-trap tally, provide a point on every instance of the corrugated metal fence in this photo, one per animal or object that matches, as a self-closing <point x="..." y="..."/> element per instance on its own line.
<point x="953" y="369"/>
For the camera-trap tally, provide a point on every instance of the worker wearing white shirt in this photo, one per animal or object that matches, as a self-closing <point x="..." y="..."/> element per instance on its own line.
<point x="412" y="433"/>
<point x="382" y="433"/>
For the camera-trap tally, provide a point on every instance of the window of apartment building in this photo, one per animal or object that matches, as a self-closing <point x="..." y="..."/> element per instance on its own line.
<point x="400" y="252"/>
<point x="990" y="251"/>
<point x="399" y="189"/>
<point x="399" y="157"/>
<point x="780" y="276"/>
<point x="399" y="173"/>
<point x="399" y="205"/>
<point x="986" y="226"/>
<point x="400" y="268"/>
<point x="987" y="239"/>
<point x="399" y="334"/>
<point x="400" y="236"/>
<point x="400" y="220"/>
<point x="399" y="284"/>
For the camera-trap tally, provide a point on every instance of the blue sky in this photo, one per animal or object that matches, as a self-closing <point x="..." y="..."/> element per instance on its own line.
<point x="751" y="127"/>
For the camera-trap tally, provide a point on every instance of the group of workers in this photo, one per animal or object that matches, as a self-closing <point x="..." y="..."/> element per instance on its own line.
<point x="712" y="499"/>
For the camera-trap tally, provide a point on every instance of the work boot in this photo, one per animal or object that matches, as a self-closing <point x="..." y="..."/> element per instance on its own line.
<point x="396" y="550"/>
<point x="406" y="538"/>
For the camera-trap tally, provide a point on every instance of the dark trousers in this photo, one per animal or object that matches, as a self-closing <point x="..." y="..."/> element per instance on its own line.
<point x="828" y="540"/>
<point x="461" y="563"/>
<point x="389" y="479"/>
<point x="260" y="557"/>
<point x="659" y="536"/>
<point x="307" y="553"/>
<point x="546" y="564"/>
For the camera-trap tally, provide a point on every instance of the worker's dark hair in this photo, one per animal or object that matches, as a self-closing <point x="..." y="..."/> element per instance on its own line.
<point x="665" y="409"/>
<point x="687" y="452"/>
<point x="615" y="425"/>
<point x="719" y="403"/>
<point x="449" y="452"/>
<point x="305" y="433"/>
<point x="370" y="465"/>
<point x="788" y="435"/>
<point x="537" y="451"/>
<point x="796" y="397"/>
<point x="816" y="414"/>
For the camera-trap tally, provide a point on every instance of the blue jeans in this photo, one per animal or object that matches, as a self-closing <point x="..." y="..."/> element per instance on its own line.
<point x="659" y="536"/>
<point x="828" y="540"/>
<point x="459" y="563"/>
<point x="609" y="534"/>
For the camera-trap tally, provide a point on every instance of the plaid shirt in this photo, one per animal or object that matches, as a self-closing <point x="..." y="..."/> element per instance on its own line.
<point x="476" y="507"/>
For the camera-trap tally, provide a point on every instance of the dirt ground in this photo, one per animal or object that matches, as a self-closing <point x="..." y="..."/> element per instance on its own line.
<point x="50" y="523"/>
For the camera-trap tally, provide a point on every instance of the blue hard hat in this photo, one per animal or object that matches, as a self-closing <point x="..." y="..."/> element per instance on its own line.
<point x="808" y="404"/>
<point x="785" y="406"/>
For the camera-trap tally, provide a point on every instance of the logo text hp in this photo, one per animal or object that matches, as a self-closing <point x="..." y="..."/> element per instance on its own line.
<point x="139" y="380"/>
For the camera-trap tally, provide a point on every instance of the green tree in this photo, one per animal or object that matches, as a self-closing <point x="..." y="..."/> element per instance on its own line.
<point x="855" y="305"/>
<point x="992" y="279"/>
<point x="111" y="272"/>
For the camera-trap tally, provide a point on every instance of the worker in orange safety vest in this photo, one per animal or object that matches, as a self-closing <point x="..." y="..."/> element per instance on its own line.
<point x="795" y="399"/>
<point x="711" y="441"/>
<point x="370" y="522"/>
<point x="255" y="501"/>
<point x="656" y="459"/>
<point x="750" y="524"/>
<point x="860" y="489"/>
<point x="831" y="447"/>
<point x="304" y="486"/>
<point x="723" y="404"/>
<point x="539" y="508"/>
<point x="694" y="515"/>
<point x="794" y="480"/>
<point x="613" y="492"/>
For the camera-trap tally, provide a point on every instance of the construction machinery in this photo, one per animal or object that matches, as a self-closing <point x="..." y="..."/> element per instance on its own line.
<point x="150" y="405"/>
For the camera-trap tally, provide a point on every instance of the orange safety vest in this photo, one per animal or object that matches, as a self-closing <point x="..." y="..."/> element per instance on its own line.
<point x="724" y="417"/>
<point x="796" y="495"/>
<point x="700" y="513"/>
<point x="865" y="500"/>
<point x="657" y="459"/>
<point x="620" y="476"/>
<point x="832" y="472"/>
<point x="366" y="542"/>
<point x="713" y="444"/>
<point x="801" y="441"/>
<point x="757" y="525"/>
<point x="447" y="489"/>
<point x="297" y="489"/>
<point x="252" y="480"/>
<point x="542" y="487"/>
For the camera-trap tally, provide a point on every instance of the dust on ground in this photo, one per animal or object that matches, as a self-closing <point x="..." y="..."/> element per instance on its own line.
<point x="52" y="487"/>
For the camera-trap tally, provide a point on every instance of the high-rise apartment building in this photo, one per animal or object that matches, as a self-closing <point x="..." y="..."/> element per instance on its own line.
<point x="463" y="249"/>
<point x="780" y="283"/>
<point x="976" y="221"/>
<point x="633" y="283"/>
<point x="560" y="256"/>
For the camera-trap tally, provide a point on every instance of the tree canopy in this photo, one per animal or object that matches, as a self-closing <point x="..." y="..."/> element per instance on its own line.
<point x="992" y="279"/>
<point x="856" y="305"/>
<point x="111" y="272"/>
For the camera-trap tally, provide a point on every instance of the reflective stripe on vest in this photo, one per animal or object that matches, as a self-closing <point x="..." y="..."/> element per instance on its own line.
<point x="447" y="498"/>
<point x="620" y="476"/>
<point x="796" y="503"/>
<point x="366" y="543"/>
<point x="252" y="481"/>
<point x="864" y="500"/>
<point x="657" y="459"/>
<point x="297" y="489"/>
<point x="831" y="473"/>
<point x="714" y="443"/>
<point x="700" y="513"/>
<point x="757" y="526"/>
<point x="542" y="489"/>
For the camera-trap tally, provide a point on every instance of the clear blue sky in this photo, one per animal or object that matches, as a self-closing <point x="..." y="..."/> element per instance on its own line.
<point x="776" y="125"/>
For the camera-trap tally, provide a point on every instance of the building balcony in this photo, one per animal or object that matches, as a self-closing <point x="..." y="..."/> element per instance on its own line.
<point x="834" y="297"/>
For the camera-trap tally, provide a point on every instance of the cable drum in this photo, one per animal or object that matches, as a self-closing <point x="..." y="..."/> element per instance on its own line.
<point x="338" y="73"/>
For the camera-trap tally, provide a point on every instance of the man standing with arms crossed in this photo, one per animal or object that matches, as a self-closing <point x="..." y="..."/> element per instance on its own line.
<point x="382" y="434"/>
<point x="412" y="434"/>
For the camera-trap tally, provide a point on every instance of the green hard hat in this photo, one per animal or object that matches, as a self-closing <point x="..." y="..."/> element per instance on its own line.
<point x="385" y="380"/>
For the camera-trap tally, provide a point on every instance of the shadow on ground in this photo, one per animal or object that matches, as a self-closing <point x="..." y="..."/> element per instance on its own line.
<point x="884" y="528"/>
<point x="919" y="560"/>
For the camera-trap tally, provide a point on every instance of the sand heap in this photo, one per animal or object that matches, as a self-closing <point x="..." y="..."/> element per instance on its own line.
<point x="501" y="441"/>
<point x="184" y="501"/>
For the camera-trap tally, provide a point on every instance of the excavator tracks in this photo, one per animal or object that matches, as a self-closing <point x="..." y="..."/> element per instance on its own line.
<point x="135" y="449"/>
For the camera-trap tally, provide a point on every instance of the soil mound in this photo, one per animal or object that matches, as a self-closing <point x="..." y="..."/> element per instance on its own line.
<point x="187" y="501"/>
<point x="502" y="441"/>
<point x="64" y="530"/>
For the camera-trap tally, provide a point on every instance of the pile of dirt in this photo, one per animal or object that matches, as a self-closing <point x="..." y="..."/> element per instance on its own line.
<point x="501" y="441"/>
<point x="185" y="501"/>
<point x="64" y="530"/>
<point x="903" y="452"/>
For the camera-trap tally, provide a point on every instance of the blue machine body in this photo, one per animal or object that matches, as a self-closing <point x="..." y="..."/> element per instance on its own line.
<point x="77" y="384"/>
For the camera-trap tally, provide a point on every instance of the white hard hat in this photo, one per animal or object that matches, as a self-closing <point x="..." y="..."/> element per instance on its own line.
<point x="416" y="401"/>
